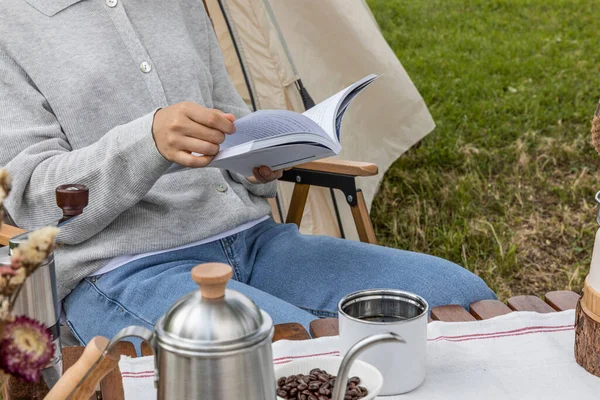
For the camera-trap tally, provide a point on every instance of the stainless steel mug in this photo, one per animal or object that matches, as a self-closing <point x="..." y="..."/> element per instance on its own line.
<point x="370" y="312"/>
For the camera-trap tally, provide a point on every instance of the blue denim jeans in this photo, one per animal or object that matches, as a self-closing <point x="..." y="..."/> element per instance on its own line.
<point x="293" y="277"/>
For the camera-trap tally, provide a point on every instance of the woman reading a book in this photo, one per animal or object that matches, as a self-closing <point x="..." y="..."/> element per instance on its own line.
<point x="110" y="94"/>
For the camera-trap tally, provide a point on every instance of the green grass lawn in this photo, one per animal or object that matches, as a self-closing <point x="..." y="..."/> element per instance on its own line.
<point x="505" y="185"/>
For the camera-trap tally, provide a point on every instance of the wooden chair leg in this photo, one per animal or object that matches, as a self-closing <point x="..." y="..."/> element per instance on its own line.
<point x="297" y="204"/>
<point x="360" y="213"/>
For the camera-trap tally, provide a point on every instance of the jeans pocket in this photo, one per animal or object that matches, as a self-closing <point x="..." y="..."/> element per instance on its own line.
<point x="93" y="280"/>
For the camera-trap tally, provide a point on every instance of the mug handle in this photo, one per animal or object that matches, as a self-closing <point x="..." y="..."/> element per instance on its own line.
<point x="355" y="351"/>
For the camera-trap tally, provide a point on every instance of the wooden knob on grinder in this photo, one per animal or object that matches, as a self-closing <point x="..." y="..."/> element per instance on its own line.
<point x="72" y="199"/>
<point x="212" y="279"/>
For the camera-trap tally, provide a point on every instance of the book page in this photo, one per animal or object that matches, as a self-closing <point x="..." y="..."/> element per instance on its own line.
<point x="266" y="124"/>
<point x="352" y="94"/>
<point x="324" y="114"/>
<point x="329" y="112"/>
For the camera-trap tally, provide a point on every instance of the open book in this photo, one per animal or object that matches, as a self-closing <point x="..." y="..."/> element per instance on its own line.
<point x="282" y="139"/>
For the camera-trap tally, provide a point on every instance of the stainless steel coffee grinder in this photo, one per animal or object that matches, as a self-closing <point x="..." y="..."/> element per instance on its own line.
<point x="38" y="298"/>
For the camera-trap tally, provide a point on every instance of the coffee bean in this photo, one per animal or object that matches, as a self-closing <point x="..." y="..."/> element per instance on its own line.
<point x="318" y="385"/>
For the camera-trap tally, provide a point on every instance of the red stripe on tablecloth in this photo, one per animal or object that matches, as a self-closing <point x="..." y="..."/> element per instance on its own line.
<point x="285" y="360"/>
<point x="463" y="338"/>
<point x="501" y="335"/>
<point x="138" y="373"/>
<point x="126" y="376"/>
<point x="278" y="361"/>
<point x="331" y="353"/>
<point x="477" y="335"/>
<point x="458" y="338"/>
<point x="288" y="361"/>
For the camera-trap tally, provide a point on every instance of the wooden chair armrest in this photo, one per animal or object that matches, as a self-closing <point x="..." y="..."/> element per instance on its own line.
<point x="7" y="232"/>
<point x="335" y="166"/>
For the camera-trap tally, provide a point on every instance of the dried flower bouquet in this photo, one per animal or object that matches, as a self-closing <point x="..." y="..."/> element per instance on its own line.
<point x="26" y="345"/>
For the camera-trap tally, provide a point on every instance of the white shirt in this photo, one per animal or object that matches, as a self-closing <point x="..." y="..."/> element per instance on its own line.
<point x="122" y="260"/>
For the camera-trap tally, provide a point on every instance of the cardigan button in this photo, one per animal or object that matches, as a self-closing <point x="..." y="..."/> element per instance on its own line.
<point x="221" y="188"/>
<point x="145" y="67"/>
<point x="112" y="3"/>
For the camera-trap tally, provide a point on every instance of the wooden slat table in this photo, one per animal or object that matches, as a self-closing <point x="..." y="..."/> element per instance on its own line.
<point x="485" y="309"/>
<point x="111" y="388"/>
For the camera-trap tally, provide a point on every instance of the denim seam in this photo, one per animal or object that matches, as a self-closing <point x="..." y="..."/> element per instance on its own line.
<point x="125" y="309"/>
<point x="229" y="241"/>
<point x="74" y="331"/>
<point x="231" y="258"/>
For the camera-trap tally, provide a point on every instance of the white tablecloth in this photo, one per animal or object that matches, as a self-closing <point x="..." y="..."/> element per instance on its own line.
<point x="520" y="355"/>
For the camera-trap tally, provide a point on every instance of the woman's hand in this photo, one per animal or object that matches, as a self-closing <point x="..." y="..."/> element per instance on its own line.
<point x="264" y="174"/>
<point x="185" y="128"/>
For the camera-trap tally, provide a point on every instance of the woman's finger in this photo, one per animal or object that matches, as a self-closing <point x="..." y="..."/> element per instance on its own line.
<point x="193" y="145"/>
<point x="269" y="174"/>
<point x="211" y="118"/>
<point x="199" y="131"/>
<point x="191" y="161"/>
<point x="258" y="176"/>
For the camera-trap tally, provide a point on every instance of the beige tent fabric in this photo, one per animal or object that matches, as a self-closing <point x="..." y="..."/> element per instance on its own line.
<point x="272" y="79"/>
<point x="270" y="74"/>
<point x="333" y="43"/>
